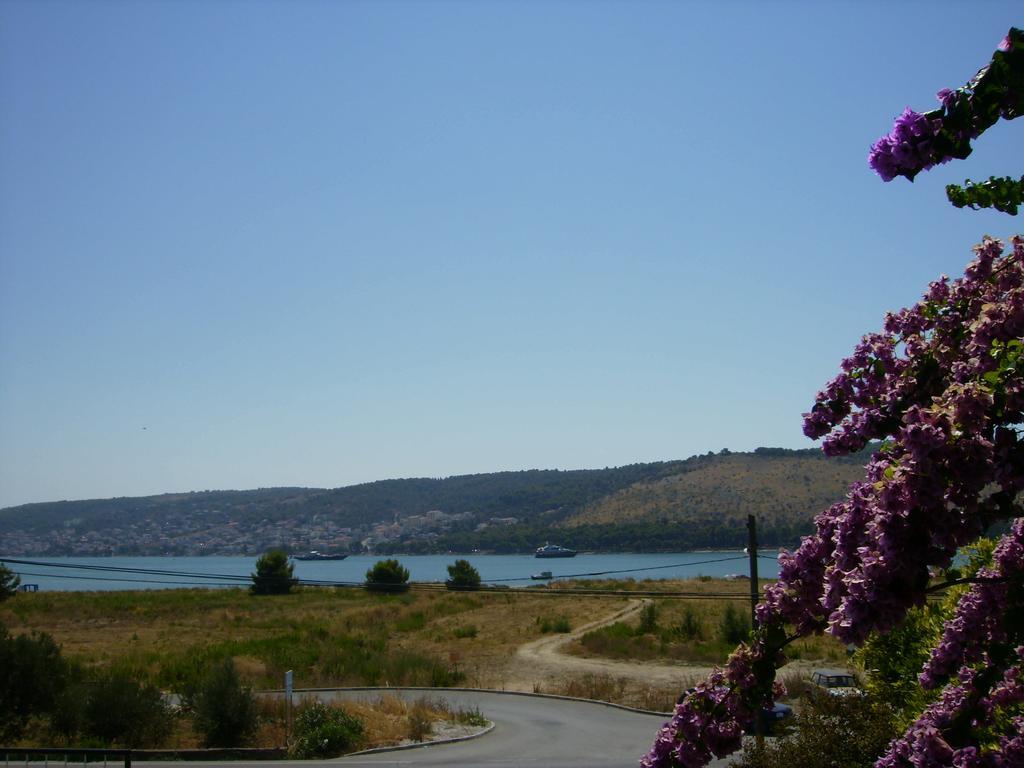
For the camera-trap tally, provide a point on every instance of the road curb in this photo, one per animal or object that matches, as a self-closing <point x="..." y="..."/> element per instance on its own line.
<point x="419" y="744"/>
<point x="478" y="690"/>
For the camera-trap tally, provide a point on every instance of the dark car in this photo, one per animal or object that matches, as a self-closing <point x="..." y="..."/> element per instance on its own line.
<point x="772" y="718"/>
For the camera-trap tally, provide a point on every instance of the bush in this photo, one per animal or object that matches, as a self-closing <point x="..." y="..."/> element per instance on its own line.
<point x="735" y="626"/>
<point x="689" y="626"/>
<point x="648" y="619"/>
<point x="421" y="721"/>
<point x="387" y="576"/>
<point x="554" y="624"/>
<point x="273" y="574"/>
<point x="322" y="732"/>
<point x="119" y="710"/>
<point x="830" y="732"/>
<point x="225" y="710"/>
<point x="33" y="674"/>
<point x="462" y="575"/>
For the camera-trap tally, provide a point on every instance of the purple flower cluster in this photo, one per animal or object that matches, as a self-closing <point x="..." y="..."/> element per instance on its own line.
<point x="943" y="386"/>
<point x="909" y="148"/>
<point x="706" y="724"/>
<point x="921" y="141"/>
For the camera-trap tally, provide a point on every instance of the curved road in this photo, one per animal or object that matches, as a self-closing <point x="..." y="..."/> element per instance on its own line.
<point x="530" y="731"/>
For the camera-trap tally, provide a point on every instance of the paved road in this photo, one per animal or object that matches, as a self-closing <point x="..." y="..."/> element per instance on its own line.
<point x="529" y="732"/>
<point x="532" y="732"/>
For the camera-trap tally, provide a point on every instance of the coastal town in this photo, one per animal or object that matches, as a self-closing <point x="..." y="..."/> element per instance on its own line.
<point x="215" y="532"/>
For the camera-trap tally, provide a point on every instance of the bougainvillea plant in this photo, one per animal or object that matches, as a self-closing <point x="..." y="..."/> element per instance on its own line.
<point x="942" y="388"/>
<point x="920" y="141"/>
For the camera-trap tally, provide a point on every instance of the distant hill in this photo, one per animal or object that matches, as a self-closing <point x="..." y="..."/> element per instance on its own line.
<point x="698" y="502"/>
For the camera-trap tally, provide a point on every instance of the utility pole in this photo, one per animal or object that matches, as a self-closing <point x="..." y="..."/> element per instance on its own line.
<point x="752" y="552"/>
<point x="754" y="594"/>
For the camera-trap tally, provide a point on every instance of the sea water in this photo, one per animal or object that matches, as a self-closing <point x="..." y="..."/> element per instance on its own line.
<point x="125" y="573"/>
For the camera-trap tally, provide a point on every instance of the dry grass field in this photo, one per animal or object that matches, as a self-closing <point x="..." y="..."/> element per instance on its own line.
<point x="348" y="637"/>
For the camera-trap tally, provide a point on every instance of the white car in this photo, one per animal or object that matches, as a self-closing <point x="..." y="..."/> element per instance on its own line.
<point x="835" y="682"/>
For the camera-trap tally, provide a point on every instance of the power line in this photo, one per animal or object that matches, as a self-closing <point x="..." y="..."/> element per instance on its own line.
<point x="626" y="570"/>
<point x="128" y="581"/>
<point x="127" y="569"/>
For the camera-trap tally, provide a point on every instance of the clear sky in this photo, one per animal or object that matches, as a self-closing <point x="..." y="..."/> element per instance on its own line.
<point x="250" y="244"/>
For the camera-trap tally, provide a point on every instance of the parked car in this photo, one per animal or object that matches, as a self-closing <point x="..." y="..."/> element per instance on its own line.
<point x="835" y="682"/>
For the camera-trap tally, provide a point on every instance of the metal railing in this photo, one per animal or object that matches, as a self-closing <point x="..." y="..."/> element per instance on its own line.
<point x="72" y="756"/>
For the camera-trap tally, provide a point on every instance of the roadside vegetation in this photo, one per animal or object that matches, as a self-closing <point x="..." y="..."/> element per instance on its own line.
<point x="215" y="648"/>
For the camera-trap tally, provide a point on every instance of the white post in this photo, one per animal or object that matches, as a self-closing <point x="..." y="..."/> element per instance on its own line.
<point x="288" y="712"/>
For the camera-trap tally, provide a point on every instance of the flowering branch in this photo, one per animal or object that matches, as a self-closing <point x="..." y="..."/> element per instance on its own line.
<point x="921" y="141"/>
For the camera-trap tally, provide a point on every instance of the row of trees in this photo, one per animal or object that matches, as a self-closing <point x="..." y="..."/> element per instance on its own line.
<point x="275" y="575"/>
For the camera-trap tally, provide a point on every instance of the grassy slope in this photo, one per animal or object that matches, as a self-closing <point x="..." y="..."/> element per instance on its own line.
<point x="727" y="489"/>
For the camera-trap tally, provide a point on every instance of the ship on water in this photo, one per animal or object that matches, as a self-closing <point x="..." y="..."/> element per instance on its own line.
<point x="553" y="550"/>
<point x="315" y="555"/>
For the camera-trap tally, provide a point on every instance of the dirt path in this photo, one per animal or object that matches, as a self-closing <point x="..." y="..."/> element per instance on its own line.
<point x="541" y="664"/>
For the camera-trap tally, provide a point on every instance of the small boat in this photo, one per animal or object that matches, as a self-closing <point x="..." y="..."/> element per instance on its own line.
<point x="542" y="576"/>
<point x="553" y="550"/>
<point x="314" y="555"/>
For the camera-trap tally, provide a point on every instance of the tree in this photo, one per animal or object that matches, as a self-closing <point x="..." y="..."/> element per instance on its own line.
<point x="273" y="574"/>
<point x="120" y="710"/>
<point x="462" y="575"/>
<point x="943" y="387"/>
<point x="33" y="674"/>
<point x="9" y="582"/>
<point x="225" y="711"/>
<point x="387" y="576"/>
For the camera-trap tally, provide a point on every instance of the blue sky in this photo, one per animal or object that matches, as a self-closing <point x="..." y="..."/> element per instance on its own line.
<point x="249" y="244"/>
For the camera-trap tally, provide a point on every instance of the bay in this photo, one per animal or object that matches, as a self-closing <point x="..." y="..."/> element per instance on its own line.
<point x="130" y="573"/>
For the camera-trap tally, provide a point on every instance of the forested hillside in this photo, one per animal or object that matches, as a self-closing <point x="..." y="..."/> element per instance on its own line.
<point x="699" y="502"/>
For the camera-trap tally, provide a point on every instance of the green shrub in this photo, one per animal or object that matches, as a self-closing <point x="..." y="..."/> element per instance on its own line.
<point x="421" y="724"/>
<point x="462" y="575"/>
<point x="470" y="717"/>
<point x="689" y="626"/>
<point x="119" y="710"/>
<point x="554" y="624"/>
<point x="463" y="632"/>
<point x="829" y="732"/>
<point x="411" y="622"/>
<point x="735" y="626"/>
<point x="323" y="732"/>
<point x="273" y="574"/>
<point x="387" y="576"/>
<point x="648" y="619"/>
<point x="33" y="675"/>
<point x="225" y="711"/>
